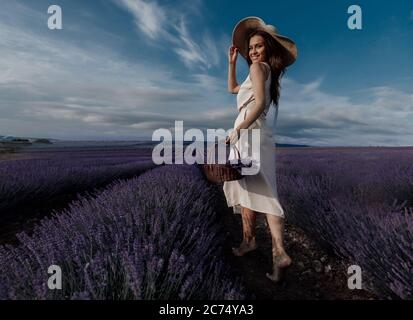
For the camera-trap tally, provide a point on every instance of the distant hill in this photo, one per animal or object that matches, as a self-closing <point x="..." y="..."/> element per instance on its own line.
<point x="287" y="145"/>
<point x="22" y="140"/>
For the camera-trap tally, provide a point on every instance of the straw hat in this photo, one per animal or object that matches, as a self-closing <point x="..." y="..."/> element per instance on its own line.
<point x="244" y="28"/>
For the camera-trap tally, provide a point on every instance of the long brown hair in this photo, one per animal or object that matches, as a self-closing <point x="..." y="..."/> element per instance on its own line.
<point x="276" y="55"/>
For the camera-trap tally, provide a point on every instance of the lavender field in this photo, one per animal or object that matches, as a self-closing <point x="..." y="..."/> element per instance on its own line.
<point x="158" y="234"/>
<point x="38" y="180"/>
<point x="128" y="243"/>
<point x="358" y="202"/>
<point x="47" y="174"/>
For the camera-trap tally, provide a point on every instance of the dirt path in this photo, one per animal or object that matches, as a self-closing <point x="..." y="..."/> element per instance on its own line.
<point x="314" y="274"/>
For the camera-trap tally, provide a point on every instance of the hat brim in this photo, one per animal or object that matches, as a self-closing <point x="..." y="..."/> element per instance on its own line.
<point x="245" y="26"/>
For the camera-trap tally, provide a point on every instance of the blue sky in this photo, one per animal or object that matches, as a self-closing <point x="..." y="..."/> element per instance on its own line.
<point x="120" y="69"/>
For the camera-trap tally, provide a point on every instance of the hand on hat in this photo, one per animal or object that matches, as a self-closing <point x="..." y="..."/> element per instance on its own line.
<point x="232" y="54"/>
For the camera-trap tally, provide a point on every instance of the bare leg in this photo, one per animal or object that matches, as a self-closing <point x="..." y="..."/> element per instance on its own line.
<point x="279" y="257"/>
<point x="248" y="230"/>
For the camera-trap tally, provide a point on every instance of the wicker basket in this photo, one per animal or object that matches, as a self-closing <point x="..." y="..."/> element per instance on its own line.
<point x="218" y="173"/>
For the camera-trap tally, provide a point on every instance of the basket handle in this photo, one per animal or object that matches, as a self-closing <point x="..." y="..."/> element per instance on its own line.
<point x="236" y="149"/>
<point x="209" y="152"/>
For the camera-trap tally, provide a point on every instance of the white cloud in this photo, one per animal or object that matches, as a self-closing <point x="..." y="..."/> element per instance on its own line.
<point x="153" y="125"/>
<point x="392" y="99"/>
<point x="150" y="18"/>
<point x="312" y="86"/>
<point x="162" y="24"/>
<point x="189" y="51"/>
<point x="308" y="115"/>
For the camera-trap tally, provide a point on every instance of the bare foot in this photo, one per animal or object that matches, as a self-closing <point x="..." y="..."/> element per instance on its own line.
<point x="244" y="248"/>
<point x="280" y="263"/>
<point x="276" y="276"/>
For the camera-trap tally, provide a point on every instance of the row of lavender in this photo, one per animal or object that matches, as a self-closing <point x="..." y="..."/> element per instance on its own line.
<point x="129" y="242"/>
<point x="360" y="203"/>
<point x="53" y="173"/>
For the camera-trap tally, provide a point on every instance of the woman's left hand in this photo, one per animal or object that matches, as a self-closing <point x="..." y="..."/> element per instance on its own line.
<point x="233" y="137"/>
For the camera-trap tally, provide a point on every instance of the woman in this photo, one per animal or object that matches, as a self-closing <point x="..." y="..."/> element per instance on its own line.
<point x="267" y="54"/>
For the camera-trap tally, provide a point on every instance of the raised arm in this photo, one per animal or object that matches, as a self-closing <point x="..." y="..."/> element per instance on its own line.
<point x="233" y="86"/>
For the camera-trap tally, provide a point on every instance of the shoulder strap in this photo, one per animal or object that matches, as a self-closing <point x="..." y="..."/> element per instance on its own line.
<point x="266" y="63"/>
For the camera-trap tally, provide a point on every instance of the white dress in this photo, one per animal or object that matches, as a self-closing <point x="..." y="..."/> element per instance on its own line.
<point x="256" y="192"/>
